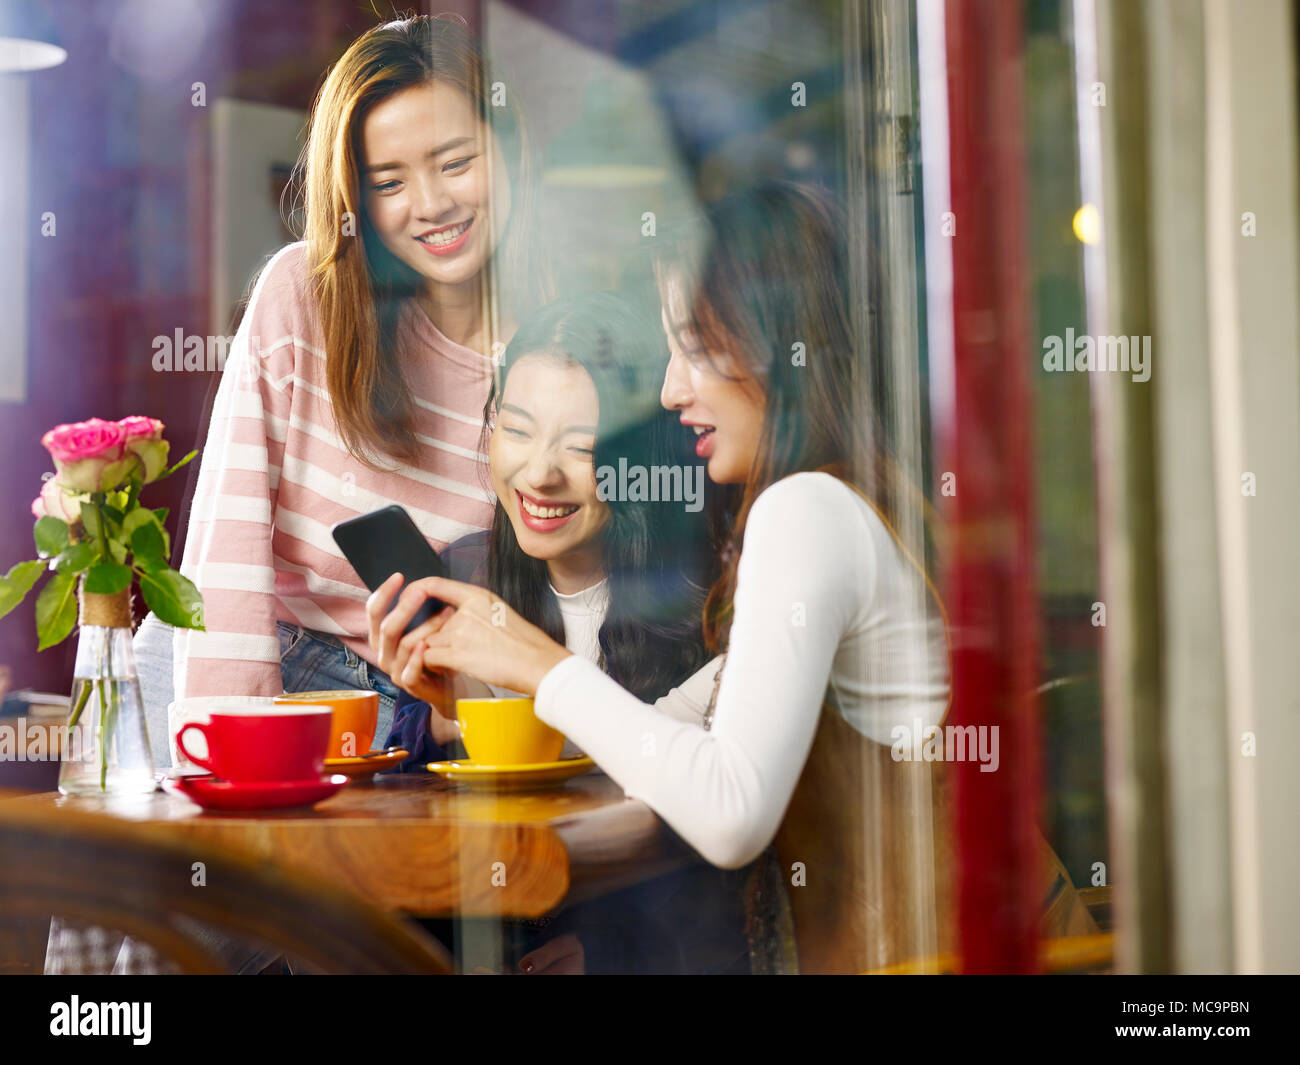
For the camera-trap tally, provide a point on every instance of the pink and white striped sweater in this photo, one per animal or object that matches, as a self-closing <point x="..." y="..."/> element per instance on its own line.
<point x="275" y="476"/>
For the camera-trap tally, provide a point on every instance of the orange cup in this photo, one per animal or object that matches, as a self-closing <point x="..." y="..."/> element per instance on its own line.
<point x="352" y="726"/>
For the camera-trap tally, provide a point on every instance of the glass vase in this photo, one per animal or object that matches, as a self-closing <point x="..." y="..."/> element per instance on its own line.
<point x="106" y="750"/>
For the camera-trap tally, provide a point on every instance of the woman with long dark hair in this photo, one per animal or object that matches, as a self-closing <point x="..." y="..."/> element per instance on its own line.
<point x="612" y="571"/>
<point x="618" y="580"/>
<point x="832" y="638"/>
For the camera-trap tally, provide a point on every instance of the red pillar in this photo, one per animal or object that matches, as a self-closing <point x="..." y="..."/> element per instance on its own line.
<point x="990" y="589"/>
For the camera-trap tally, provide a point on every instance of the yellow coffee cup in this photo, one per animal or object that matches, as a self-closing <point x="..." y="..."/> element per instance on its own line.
<point x="353" y="724"/>
<point x="506" y="732"/>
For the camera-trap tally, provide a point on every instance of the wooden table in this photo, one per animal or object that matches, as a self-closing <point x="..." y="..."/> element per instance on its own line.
<point x="418" y="844"/>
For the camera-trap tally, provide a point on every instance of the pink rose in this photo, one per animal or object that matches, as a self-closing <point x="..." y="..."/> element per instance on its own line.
<point x="138" y="426"/>
<point x="89" y="455"/>
<point x="144" y="441"/>
<point x="54" y="502"/>
<point x="85" y="440"/>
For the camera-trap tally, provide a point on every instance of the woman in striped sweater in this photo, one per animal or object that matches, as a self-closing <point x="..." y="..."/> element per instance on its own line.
<point x="359" y="372"/>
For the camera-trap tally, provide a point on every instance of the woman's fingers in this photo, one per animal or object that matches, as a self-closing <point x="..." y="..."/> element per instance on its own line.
<point x="475" y="634"/>
<point x="558" y="956"/>
<point x="405" y="656"/>
<point x="396" y="663"/>
<point x="423" y="685"/>
<point x="377" y="607"/>
<point x="509" y="651"/>
<point x="392" y="632"/>
<point x="412" y="667"/>
<point x="423" y="631"/>
<point x="453" y="593"/>
<point x="442" y="657"/>
<point x="392" y="629"/>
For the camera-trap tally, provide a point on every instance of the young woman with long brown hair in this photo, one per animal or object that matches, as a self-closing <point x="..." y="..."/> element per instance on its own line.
<point x="361" y="366"/>
<point x="618" y="581"/>
<point x="818" y="605"/>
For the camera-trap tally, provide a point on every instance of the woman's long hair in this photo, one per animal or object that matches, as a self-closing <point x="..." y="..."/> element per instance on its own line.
<point x="657" y="556"/>
<point x="360" y="287"/>
<point x="765" y="271"/>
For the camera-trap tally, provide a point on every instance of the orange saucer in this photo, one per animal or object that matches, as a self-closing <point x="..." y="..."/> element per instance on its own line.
<point x="367" y="764"/>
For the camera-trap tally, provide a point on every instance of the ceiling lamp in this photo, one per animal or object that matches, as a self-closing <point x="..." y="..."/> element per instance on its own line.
<point x="28" y="40"/>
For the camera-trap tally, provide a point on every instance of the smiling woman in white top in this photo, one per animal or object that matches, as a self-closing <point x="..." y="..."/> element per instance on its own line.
<point x="818" y="603"/>
<point x="618" y="581"/>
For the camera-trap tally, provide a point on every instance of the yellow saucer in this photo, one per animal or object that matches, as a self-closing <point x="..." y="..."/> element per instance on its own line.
<point x="511" y="777"/>
<point x="365" y="765"/>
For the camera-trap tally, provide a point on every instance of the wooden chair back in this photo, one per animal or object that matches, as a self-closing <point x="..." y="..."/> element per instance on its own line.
<point x="105" y="873"/>
<point x="875" y="837"/>
<point x="872" y="835"/>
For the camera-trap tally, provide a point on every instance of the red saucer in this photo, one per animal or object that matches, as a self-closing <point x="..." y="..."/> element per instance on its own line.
<point x="214" y="794"/>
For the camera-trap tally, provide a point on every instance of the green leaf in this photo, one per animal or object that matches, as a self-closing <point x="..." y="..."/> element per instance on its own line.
<point x="176" y="466"/>
<point x="173" y="598"/>
<point x="90" y="519"/>
<point x="56" y="610"/>
<point x="138" y="519"/>
<point x="113" y="514"/>
<point x="77" y="557"/>
<point x="51" y="536"/>
<point x="135" y="519"/>
<point x="15" y="584"/>
<point x="148" y="547"/>
<point x="172" y="469"/>
<point x="108" y="578"/>
<point x="159" y="518"/>
<point x="118" y="551"/>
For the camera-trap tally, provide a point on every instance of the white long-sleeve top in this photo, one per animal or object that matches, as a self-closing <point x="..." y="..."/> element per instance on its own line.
<point x="824" y="597"/>
<point x="583" y="613"/>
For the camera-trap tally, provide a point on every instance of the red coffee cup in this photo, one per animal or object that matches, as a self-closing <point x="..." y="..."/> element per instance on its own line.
<point x="255" y="744"/>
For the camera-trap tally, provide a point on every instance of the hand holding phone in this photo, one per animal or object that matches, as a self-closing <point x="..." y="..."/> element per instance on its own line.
<point x="385" y="542"/>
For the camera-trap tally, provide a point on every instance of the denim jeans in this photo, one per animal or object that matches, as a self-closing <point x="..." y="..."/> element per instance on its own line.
<point x="315" y="661"/>
<point x="309" y="661"/>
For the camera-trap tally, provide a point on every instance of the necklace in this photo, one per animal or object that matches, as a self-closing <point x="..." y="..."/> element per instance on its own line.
<point x="713" y="699"/>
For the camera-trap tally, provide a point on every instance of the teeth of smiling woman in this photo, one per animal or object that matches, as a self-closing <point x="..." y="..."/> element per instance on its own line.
<point x="546" y="512"/>
<point x="700" y="430"/>
<point x="445" y="237"/>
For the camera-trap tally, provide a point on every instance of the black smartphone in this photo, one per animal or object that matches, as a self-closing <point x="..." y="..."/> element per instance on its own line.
<point x="385" y="542"/>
